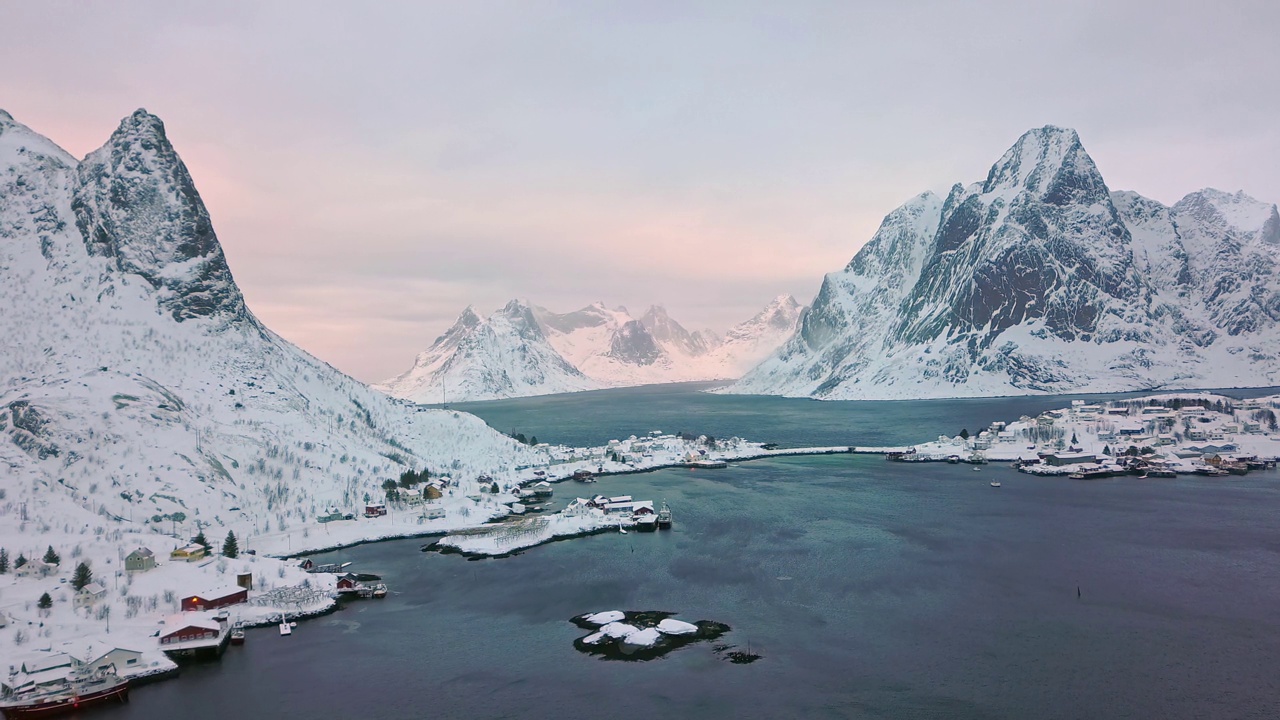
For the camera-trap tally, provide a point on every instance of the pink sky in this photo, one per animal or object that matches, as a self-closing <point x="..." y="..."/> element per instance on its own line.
<point x="370" y="172"/>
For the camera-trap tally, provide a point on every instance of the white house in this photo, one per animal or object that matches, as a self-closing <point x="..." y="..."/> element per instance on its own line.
<point x="89" y="594"/>
<point x="97" y="655"/>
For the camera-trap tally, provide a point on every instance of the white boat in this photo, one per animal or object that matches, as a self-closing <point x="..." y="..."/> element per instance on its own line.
<point x="622" y="529"/>
<point x="286" y="628"/>
<point x="995" y="483"/>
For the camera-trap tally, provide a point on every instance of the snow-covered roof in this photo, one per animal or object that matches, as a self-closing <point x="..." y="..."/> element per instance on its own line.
<point x="220" y="591"/>
<point x="93" y="588"/>
<point x="179" y="621"/>
<point x="44" y="660"/>
<point x="90" y="649"/>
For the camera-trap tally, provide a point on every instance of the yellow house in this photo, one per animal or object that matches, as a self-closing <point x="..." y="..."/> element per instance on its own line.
<point x="190" y="553"/>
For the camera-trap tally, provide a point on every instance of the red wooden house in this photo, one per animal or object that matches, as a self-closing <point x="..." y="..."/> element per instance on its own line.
<point x="221" y="597"/>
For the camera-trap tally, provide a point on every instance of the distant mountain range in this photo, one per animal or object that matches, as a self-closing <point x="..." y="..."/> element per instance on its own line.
<point x="1040" y="279"/>
<point x="523" y="350"/>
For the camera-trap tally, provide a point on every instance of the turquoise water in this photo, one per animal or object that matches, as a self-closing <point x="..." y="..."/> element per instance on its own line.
<point x="872" y="589"/>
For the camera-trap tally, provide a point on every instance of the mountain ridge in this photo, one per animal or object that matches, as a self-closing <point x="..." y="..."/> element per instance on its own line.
<point x="590" y="348"/>
<point x="1041" y="279"/>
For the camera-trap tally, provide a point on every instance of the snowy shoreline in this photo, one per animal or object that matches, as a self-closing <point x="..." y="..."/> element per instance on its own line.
<point x="742" y="452"/>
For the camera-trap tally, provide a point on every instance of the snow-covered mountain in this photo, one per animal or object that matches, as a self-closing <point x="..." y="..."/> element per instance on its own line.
<point x="522" y="350"/>
<point x="504" y="355"/>
<point x="136" y="387"/>
<point x="1041" y="280"/>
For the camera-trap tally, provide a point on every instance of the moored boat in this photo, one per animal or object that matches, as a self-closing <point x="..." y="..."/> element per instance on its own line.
<point x="286" y="628"/>
<point x="995" y="483"/>
<point x="664" y="516"/>
<point x="237" y="634"/>
<point x="82" y="689"/>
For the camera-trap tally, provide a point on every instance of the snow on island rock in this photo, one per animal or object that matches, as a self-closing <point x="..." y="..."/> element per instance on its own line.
<point x="676" y="627"/>
<point x="644" y="635"/>
<point x="604" y="618"/>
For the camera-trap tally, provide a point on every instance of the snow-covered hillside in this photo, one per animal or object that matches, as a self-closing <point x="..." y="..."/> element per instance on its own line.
<point x="138" y="392"/>
<point x="1042" y="280"/>
<point x="520" y="351"/>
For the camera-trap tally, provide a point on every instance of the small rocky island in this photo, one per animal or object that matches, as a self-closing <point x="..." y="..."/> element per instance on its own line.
<point x="643" y="634"/>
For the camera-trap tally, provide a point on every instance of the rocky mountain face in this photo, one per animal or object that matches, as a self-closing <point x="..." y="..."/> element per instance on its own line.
<point x="1041" y="280"/>
<point x="136" y="384"/>
<point x="136" y="205"/>
<point x="595" y="347"/>
<point x="504" y="355"/>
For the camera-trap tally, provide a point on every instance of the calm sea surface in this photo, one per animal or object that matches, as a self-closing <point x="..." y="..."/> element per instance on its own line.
<point x="872" y="589"/>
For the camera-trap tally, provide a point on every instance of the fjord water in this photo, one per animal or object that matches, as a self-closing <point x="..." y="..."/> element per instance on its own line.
<point x="872" y="589"/>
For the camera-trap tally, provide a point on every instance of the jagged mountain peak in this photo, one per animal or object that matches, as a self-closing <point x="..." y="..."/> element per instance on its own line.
<point x="504" y="355"/>
<point x="1040" y="280"/>
<point x="136" y="204"/>
<point x="671" y="335"/>
<point x="1050" y="163"/>
<point x="1236" y="210"/>
<point x="18" y="140"/>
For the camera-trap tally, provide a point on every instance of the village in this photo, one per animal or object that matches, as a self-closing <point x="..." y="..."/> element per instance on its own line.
<point x="129" y="605"/>
<point x="1160" y="436"/>
<point x="133" y="604"/>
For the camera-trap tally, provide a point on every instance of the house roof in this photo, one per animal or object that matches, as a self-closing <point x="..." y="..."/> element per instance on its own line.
<point x="181" y="621"/>
<point x="219" y="592"/>
<point x="41" y="661"/>
<point x="142" y="552"/>
<point x="91" y="649"/>
<point x="94" y="588"/>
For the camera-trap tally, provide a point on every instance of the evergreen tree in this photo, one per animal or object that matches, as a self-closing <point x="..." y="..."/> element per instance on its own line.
<point x="4" y="561"/>
<point x="45" y="602"/>
<point x="22" y="560"/>
<point x="52" y="557"/>
<point x="533" y="440"/>
<point x="1073" y="439"/>
<point x="230" y="548"/>
<point x="83" y="576"/>
<point x="201" y="540"/>
<point x="964" y="433"/>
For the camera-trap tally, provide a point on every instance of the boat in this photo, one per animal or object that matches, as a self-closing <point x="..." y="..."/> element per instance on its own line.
<point x="995" y="483"/>
<point x="83" y="688"/>
<point x="1160" y="473"/>
<point x="380" y="590"/>
<point x="237" y="634"/>
<point x="285" y="627"/>
<point x="647" y="523"/>
<point x="622" y="529"/>
<point x="1210" y="471"/>
<point x="584" y="476"/>
<point x="664" y="516"/>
